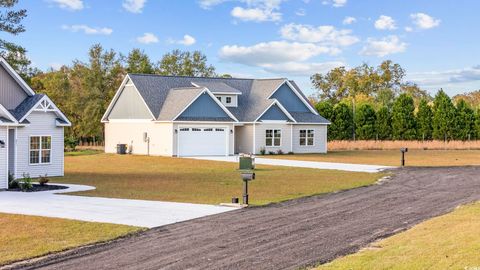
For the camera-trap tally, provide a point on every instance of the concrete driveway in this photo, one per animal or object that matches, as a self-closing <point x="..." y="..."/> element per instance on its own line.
<point x="119" y="211"/>
<point x="304" y="164"/>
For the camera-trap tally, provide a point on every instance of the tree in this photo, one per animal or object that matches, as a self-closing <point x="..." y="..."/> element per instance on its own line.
<point x="424" y="120"/>
<point x="342" y="122"/>
<point x="477" y="124"/>
<point x="138" y="62"/>
<point x="443" y="116"/>
<point x="384" y="124"/>
<point x="464" y="121"/>
<point x="365" y="119"/>
<point x="180" y="63"/>
<point x="403" y="118"/>
<point x="325" y="109"/>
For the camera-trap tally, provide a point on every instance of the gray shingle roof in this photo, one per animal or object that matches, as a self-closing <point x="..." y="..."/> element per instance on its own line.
<point x="302" y="117"/>
<point x="23" y="108"/>
<point x="5" y="120"/>
<point x="167" y="96"/>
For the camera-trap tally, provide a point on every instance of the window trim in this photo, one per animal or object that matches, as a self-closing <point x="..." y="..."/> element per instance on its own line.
<point x="273" y="137"/>
<point x="306" y="137"/>
<point x="40" y="149"/>
<point x="228" y="100"/>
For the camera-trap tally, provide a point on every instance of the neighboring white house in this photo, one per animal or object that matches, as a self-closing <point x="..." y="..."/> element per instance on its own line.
<point x="192" y="116"/>
<point x="31" y="130"/>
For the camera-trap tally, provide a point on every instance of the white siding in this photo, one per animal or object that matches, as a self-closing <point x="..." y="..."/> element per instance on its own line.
<point x="320" y="139"/>
<point x="231" y="138"/>
<point x="233" y="103"/>
<point x="3" y="160"/>
<point x="131" y="133"/>
<point x="41" y="123"/>
<point x="286" y="142"/>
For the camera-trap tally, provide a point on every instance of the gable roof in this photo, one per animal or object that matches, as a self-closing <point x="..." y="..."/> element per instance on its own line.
<point x="16" y="77"/>
<point x="167" y="96"/>
<point x="23" y="110"/>
<point x="27" y="105"/>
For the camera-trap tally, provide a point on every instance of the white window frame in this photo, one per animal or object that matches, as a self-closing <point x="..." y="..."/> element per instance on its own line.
<point x="40" y="150"/>
<point x="306" y="137"/>
<point x="274" y="131"/>
<point x="228" y="100"/>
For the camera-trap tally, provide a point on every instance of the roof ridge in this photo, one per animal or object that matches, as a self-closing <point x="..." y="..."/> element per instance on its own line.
<point x="194" y="77"/>
<point x="186" y="88"/>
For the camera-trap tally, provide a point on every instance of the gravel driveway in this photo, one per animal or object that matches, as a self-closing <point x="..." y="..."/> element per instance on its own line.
<point x="288" y="235"/>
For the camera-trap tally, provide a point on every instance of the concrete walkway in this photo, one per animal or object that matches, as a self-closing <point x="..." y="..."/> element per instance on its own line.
<point x="119" y="211"/>
<point x="304" y="164"/>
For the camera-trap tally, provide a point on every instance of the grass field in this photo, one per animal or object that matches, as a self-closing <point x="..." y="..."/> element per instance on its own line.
<point x="446" y="242"/>
<point x="25" y="237"/>
<point x="392" y="157"/>
<point x="199" y="181"/>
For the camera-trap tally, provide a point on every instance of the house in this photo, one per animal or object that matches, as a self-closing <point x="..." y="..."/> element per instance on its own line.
<point x="193" y="116"/>
<point x="31" y="130"/>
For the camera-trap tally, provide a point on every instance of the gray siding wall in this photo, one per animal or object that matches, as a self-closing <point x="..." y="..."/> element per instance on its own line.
<point x="204" y="106"/>
<point x="129" y="105"/>
<point x="3" y="160"/>
<point x="320" y="139"/>
<point x="286" y="142"/>
<point x="11" y="94"/>
<point x="274" y="113"/>
<point x="289" y="99"/>
<point x="41" y="123"/>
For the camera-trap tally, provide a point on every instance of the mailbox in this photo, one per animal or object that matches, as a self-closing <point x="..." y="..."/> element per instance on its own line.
<point x="403" y="150"/>
<point x="248" y="176"/>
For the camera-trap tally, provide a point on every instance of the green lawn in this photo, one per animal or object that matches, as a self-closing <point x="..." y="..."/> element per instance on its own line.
<point x="447" y="242"/>
<point x="199" y="181"/>
<point x="392" y="157"/>
<point x="24" y="237"/>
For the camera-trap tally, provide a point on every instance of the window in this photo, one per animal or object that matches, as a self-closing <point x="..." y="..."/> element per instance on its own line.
<point x="228" y="100"/>
<point x="219" y="129"/>
<point x="219" y="99"/>
<point x="40" y="149"/>
<point x="307" y="137"/>
<point x="196" y="129"/>
<point x="184" y="129"/>
<point x="208" y="129"/>
<point x="273" y="137"/>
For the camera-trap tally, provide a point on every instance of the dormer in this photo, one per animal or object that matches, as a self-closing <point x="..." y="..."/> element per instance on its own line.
<point x="226" y="94"/>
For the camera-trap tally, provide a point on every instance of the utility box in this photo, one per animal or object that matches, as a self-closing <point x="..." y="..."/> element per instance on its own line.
<point x="246" y="163"/>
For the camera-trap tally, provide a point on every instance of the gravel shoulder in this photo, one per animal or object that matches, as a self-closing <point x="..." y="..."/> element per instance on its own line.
<point x="288" y="235"/>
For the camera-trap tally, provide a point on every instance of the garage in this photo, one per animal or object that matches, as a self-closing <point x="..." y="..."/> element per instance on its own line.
<point x="202" y="141"/>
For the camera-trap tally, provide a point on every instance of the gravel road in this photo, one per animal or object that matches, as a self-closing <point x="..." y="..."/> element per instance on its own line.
<point x="287" y="235"/>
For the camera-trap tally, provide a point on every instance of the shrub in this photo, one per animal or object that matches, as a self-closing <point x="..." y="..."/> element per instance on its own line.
<point x="290" y="153"/>
<point x="262" y="151"/>
<point x="12" y="182"/>
<point x="271" y="153"/>
<point x="70" y="143"/>
<point x="26" y="182"/>
<point x="279" y="152"/>
<point x="43" y="180"/>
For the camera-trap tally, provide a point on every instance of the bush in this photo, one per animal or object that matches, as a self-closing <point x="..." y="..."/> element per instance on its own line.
<point x="262" y="151"/>
<point x="43" y="180"/>
<point x="271" y="153"/>
<point x="290" y="153"/>
<point x="12" y="182"/>
<point x="279" y="152"/>
<point x="26" y="182"/>
<point x="70" y="143"/>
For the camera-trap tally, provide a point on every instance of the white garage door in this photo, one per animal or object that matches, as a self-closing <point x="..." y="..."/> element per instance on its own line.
<point x="202" y="141"/>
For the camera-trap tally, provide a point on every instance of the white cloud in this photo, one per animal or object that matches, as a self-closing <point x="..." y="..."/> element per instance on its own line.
<point x="56" y="66"/>
<point x="147" y="38"/>
<point x="349" y="20"/>
<point x="408" y="29"/>
<point x="87" y="29"/>
<point x="301" y="12"/>
<point x="207" y="4"/>
<point x="424" y="21"/>
<point x="69" y="4"/>
<point x="335" y="3"/>
<point x="265" y="53"/>
<point x="384" y="46"/>
<point x="134" y="6"/>
<point x="255" y="14"/>
<point x="187" y="40"/>
<point x="385" y="23"/>
<point x="301" y="68"/>
<point x="443" y="78"/>
<point x="326" y="34"/>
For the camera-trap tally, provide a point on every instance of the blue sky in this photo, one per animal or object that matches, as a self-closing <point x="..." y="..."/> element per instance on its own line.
<point x="435" y="41"/>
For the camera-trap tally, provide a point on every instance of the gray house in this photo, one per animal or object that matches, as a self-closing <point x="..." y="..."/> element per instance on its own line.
<point x="192" y="116"/>
<point x="31" y="130"/>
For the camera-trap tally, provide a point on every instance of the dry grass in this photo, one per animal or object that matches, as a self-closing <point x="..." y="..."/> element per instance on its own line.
<point x="447" y="242"/>
<point x="395" y="145"/>
<point x="199" y="181"/>
<point x="392" y="157"/>
<point x="25" y="237"/>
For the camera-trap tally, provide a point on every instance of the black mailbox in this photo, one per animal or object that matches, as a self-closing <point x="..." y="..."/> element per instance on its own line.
<point x="403" y="150"/>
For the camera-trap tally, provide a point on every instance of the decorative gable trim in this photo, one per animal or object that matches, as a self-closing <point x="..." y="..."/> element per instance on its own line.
<point x="126" y="82"/>
<point x="45" y="104"/>
<point x="309" y="106"/>
<point x="276" y="102"/>
<point x="16" y="77"/>
<point x="205" y="90"/>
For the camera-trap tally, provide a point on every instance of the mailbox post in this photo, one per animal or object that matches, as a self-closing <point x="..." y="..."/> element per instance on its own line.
<point x="246" y="177"/>
<point x="403" y="150"/>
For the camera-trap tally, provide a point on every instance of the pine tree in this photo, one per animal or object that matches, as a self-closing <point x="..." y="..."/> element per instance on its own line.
<point x="443" y="116"/>
<point x="403" y="118"/>
<point x="325" y="109"/>
<point x="464" y="121"/>
<point x="384" y="124"/>
<point x="139" y="62"/>
<point x="424" y="120"/>
<point x="342" y="123"/>
<point x="365" y="118"/>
